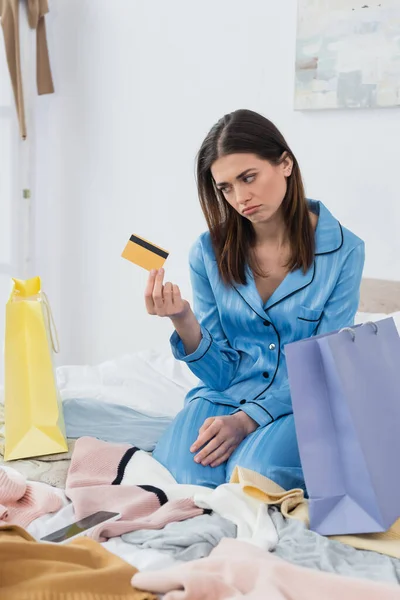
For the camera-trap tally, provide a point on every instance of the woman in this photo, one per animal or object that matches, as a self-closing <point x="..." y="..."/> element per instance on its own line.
<point x="272" y="269"/>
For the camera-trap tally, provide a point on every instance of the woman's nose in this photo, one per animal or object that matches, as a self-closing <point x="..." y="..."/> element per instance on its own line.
<point x="243" y="196"/>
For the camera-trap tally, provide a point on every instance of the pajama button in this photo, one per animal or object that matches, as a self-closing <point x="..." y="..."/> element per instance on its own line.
<point x="266" y="323"/>
<point x="272" y="346"/>
<point x="243" y="402"/>
<point x="266" y="375"/>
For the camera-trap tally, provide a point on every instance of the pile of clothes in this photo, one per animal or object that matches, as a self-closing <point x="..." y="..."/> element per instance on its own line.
<point x="247" y="538"/>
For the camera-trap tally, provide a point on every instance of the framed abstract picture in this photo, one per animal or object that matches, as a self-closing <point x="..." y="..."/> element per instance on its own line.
<point x="347" y="54"/>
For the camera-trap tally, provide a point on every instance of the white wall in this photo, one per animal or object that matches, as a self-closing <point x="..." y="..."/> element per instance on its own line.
<point x="15" y="173"/>
<point x="138" y="86"/>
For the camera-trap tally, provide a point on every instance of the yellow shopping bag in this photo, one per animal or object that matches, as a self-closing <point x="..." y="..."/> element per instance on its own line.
<point x="34" y="423"/>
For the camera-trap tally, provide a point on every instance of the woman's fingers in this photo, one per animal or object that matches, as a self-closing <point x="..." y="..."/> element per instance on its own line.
<point x="222" y="459"/>
<point x="176" y="294"/>
<point x="212" y="451"/>
<point x="206" y="424"/>
<point x="148" y="293"/>
<point x="163" y="300"/>
<point x="158" y="297"/>
<point x="205" y="436"/>
<point x="168" y="298"/>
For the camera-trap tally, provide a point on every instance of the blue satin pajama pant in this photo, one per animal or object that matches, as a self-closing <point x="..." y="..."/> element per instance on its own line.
<point x="271" y="450"/>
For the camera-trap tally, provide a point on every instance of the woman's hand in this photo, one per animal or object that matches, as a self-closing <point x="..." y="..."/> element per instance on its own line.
<point x="222" y="435"/>
<point x="164" y="300"/>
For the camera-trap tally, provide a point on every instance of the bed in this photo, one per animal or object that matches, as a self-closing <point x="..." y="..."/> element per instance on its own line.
<point x="123" y="385"/>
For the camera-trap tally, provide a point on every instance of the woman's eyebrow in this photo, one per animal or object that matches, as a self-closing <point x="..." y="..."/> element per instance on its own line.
<point x="223" y="183"/>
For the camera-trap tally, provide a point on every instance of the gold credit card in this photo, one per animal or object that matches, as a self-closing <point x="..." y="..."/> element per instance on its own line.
<point x="143" y="253"/>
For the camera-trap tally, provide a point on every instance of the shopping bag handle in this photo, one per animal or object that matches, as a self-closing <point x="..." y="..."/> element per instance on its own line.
<point x="52" y="326"/>
<point x="353" y="333"/>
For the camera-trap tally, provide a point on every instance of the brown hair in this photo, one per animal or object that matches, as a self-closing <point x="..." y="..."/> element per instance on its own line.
<point x="232" y="235"/>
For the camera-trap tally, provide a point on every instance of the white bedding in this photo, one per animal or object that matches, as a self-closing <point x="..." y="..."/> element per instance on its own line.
<point x="151" y="382"/>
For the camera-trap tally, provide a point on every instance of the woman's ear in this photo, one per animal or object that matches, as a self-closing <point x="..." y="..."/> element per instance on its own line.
<point x="286" y="164"/>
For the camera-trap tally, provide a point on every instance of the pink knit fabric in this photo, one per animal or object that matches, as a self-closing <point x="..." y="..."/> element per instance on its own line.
<point x="237" y="569"/>
<point x="22" y="502"/>
<point x="94" y="466"/>
<point x="175" y="510"/>
<point x="94" y="462"/>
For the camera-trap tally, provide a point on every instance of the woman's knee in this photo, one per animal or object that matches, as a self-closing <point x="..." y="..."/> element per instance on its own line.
<point x="173" y="449"/>
<point x="273" y="452"/>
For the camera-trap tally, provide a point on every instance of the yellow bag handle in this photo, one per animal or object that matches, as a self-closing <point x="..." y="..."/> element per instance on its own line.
<point x="51" y="323"/>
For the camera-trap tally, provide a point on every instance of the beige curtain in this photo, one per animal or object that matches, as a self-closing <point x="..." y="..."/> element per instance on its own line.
<point x="9" y="14"/>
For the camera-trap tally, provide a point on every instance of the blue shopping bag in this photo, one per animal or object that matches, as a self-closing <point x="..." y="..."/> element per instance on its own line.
<point x="345" y="389"/>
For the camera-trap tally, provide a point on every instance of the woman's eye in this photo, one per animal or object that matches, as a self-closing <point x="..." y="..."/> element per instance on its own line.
<point x="224" y="190"/>
<point x="249" y="178"/>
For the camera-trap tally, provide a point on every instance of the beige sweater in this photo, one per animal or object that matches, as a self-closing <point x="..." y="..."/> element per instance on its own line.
<point x="9" y="15"/>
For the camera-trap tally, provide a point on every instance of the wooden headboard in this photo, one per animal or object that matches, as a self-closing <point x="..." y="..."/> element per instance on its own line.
<point x="379" y="296"/>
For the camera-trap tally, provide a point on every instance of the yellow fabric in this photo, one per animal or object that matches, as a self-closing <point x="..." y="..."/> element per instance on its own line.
<point x="294" y="506"/>
<point x="79" y="570"/>
<point x="9" y="15"/>
<point x="34" y="423"/>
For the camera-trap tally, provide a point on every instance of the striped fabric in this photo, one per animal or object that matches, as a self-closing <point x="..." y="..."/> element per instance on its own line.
<point x="94" y="484"/>
<point x="240" y="360"/>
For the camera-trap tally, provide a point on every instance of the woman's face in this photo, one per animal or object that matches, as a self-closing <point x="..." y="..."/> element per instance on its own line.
<point x="251" y="185"/>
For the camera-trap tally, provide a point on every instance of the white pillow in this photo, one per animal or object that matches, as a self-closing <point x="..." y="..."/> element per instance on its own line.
<point x="151" y="382"/>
